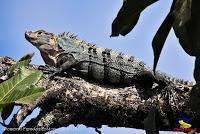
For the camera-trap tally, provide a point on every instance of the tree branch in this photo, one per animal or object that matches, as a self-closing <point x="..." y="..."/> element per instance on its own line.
<point x="73" y="100"/>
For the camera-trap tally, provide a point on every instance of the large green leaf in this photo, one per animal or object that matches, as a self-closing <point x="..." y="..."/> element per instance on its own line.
<point x="187" y="26"/>
<point x="32" y="94"/>
<point x="24" y="61"/>
<point x="17" y="87"/>
<point x="18" y="65"/>
<point x="128" y="16"/>
<point x="178" y="17"/>
<point x="161" y="36"/>
<point x="27" y="56"/>
<point x="182" y="11"/>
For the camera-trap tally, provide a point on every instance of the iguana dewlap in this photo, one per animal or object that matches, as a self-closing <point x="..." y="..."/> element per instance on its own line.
<point x="68" y="53"/>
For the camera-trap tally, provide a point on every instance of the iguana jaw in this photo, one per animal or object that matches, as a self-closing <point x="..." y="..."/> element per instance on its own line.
<point x="46" y="43"/>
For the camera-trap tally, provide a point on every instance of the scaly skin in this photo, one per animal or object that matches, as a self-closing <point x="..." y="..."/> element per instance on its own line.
<point x="69" y="53"/>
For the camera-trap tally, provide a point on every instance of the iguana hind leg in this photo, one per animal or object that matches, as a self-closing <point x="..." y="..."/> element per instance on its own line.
<point x="146" y="78"/>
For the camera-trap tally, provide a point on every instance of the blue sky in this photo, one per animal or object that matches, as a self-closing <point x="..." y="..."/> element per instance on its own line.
<point x="91" y="21"/>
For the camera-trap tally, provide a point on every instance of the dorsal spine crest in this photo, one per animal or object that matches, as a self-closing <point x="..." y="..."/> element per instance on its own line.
<point x="108" y="53"/>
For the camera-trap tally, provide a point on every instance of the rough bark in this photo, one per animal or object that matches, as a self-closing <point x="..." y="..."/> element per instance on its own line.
<point x="74" y="100"/>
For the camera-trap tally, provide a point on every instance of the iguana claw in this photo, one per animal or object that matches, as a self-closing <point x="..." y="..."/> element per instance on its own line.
<point x="47" y="69"/>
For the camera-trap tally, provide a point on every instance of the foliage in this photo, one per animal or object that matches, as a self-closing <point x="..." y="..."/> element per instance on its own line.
<point x="183" y="17"/>
<point x="128" y="16"/>
<point x="20" y="88"/>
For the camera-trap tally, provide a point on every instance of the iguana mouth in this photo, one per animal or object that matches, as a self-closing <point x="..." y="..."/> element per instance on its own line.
<point x="29" y="37"/>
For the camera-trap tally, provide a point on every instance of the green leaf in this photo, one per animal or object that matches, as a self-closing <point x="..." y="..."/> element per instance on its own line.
<point x="32" y="94"/>
<point x="18" y="86"/>
<point x="18" y="65"/>
<point x="187" y="26"/>
<point x="179" y="15"/>
<point x="160" y="37"/>
<point x="27" y="56"/>
<point x="182" y="11"/>
<point x="24" y="61"/>
<point x="128" y="16"/>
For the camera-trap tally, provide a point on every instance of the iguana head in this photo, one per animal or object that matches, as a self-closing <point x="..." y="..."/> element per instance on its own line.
<point x="46" y="43"/>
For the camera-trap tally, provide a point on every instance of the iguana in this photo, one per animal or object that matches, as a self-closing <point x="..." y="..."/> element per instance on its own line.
<point x="66" y="52"/>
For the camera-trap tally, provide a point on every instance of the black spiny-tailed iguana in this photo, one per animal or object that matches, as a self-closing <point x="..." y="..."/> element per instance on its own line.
<point x="66" y="52"/>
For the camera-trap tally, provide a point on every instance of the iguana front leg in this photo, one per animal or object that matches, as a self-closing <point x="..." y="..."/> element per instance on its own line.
<point x="64" y="63"/>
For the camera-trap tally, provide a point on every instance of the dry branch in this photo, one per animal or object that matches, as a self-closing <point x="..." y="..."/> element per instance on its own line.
<point x="73" y="100"/>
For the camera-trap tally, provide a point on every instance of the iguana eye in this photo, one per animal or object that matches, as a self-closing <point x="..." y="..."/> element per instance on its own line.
<point x="39" y="33"/>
